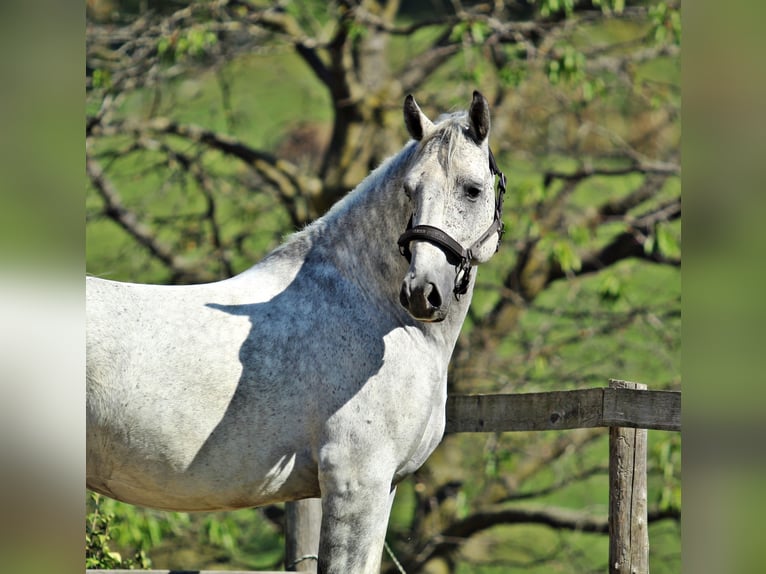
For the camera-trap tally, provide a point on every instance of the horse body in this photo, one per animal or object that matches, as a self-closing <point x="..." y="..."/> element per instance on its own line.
<point x="316" y="372"/>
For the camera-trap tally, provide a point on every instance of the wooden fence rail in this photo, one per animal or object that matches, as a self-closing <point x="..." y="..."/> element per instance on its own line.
<point x="627" y="408"/>
<point x="613" y="406"/>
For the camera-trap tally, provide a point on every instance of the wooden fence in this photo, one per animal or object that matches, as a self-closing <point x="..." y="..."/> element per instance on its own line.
<point x="627" y="408"/>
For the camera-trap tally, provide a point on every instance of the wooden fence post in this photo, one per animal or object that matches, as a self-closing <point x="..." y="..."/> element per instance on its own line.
<point x="302" y="521"/>
<point x="628" y="528"/>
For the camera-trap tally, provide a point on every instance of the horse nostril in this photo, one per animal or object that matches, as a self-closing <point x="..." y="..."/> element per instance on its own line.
<point x="433" y="297"/>
<point x="404" y="296"/>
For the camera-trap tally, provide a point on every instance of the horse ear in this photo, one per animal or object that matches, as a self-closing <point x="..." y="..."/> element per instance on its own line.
<point x="416" y="120"/>
<point x="479" y="115"/>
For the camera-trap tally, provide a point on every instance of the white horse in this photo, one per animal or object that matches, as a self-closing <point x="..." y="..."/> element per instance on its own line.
<point x="320" y="371"/>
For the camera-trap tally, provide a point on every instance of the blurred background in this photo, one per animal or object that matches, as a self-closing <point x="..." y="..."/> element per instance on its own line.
<point x="215" y="128"/>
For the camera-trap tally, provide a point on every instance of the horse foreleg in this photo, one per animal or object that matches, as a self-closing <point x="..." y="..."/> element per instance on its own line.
<point x="354" y="522"/>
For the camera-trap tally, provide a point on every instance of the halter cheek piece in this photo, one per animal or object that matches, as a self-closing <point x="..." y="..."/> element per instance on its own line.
<point x="458" y="256"/>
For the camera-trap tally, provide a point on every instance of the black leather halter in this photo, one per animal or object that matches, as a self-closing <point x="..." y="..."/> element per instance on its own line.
<point x="456" y="254"/>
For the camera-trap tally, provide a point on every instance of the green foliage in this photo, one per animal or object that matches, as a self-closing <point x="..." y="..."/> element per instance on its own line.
<point x="479" y="31"/>
<point x="663" y="241"/>
<point x="310" y="14"/>
<point x="593" y="89"/>
<point x="569" y="66"/>
<point x="244" y="537"/>
<point x="610" y="6"/>
<point x="223" y="533"/>
<point x="666" y="23"/>
<point x="610" y="287"/>
<point x="194" y="42"/>
<point x="102" y="79"/>
<point x="459" y="31"/>
<point x="564" y="253"/>
<point x="549" y="7"/>
<point x="357" y="31"/>
<point x="133" y="527"/>
<point x="512" y="75"/>
<point x="98" y="534"/>
<point x="665" y="456"/>
<point x="472" y="34"/>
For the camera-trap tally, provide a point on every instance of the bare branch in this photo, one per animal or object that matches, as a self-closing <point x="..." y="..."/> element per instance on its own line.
<point x="278" y="20"/>
<point x="628" y="244"/>
<point x="460" y="531"/>
<point x="418" y="69"/>
<point x="205" y="185"/>
<point x="620" y="206"/>
<point x="286" y="179"/>
<point x="115" y="210"/>
<point x="555" y="486"/>
<point x="646" y="167"/>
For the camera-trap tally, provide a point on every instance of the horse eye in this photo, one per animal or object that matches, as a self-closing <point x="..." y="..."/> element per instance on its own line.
<point x="473" y="192"/>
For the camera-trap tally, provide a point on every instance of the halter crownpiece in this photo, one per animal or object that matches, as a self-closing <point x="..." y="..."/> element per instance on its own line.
<point x="456" y="254"/>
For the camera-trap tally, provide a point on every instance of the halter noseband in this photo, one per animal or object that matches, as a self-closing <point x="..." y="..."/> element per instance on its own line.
<point x="456" y="254"/>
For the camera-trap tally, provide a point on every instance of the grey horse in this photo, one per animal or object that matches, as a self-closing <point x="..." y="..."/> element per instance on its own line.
<point x="319" y="371"/>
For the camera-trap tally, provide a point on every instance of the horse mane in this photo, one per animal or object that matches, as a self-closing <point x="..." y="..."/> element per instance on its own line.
<point x="377" y="179"/>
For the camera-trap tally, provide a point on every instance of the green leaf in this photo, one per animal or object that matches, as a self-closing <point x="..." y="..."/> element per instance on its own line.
<point x="549" y="7"/>
<point x="459" y="31"/>
<point x="357" y="31"/>
<point x="479" y="32"/>
<point x="102" y="79"/>
<point x="667" y="244"/>
<point x="649" y="245"/>
<point x="565" y="254"/>
<point x="553" y="71"/>
<point x="587" y="91"/>
<point x="154" y="531"/>
<point x="163" y="44"/>
<point x="610" y="287"/>
<point x="512" y="76"/>
<point x="182" y="46"/>
<point x="579" y="234"/>
<point x="490" y="466"/>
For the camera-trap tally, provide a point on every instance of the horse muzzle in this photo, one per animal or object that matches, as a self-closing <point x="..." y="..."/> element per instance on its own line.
<point x="427" y="287"/>
<point x="424" y="301"/>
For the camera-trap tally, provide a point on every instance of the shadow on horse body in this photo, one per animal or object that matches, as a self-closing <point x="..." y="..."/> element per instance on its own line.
<point x="320" y="371"/>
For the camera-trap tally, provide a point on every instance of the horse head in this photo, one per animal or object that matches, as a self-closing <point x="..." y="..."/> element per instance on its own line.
<point x="456" y="220"/>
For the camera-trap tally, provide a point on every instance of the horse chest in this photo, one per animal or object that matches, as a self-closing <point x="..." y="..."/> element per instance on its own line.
<point x="398" y="411"/>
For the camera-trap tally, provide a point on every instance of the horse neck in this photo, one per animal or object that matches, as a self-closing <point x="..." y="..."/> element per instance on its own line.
<point x="359" y="233"/>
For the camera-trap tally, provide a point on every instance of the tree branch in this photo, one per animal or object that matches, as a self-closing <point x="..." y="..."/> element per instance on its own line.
<point x="127" y="220"/>
<point x="419" y="68"/>
<point x="206" y="188"/>
<point x="460" y="531"/>
<point x="645" y="167"/>
<point x="277" y="20"/>
<point x="621" y="205"/>
<point x="628" y="244"/>
<point x="286" y="179"/>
